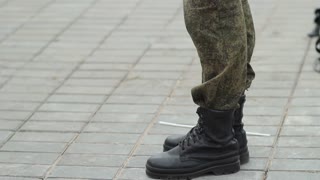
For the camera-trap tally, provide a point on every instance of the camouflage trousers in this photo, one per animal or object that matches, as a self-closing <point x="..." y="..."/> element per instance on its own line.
<point x="224" y="36"/>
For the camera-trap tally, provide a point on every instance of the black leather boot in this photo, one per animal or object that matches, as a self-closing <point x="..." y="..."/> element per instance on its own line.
<point x="210" y="147"/>
<point x="240" y="135"/>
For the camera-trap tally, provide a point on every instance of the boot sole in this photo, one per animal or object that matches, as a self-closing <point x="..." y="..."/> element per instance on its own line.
<point x="223" y="169"/>
<point x="243" y="153"/>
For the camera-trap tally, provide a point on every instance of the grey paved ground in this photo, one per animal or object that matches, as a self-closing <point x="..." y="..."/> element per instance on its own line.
<point x="84" y="82"/>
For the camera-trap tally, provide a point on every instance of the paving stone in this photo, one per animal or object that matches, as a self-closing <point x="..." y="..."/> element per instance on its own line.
<point x="299" y="142"/>
<point x="178" y="100"/>
<point x="259" y="151"/>
<point x="145" y="87"/>
<point x="33" y="147"/>
<point x="258" y="101"/>
<point x="105" y="66"/>
<point x="116" y="127"/>
<point x="303" y="111"/>
<point x="289" y="175"/>
<point x="256" y="164"/>
<point x="170" y="109"/>
<point x="154" y="75"/>
<point x="72" y="98"/>
<point x="260" y="141"/>
<point x="4" y="135"/>
<point x="305" y="83"/>
<point x="92" y="160"/>
<point x="297" y="153"/>
<point x="168" y="130"/>
<point x="241" y="175"/>
<point x="23" y="170"/>
<point x="302" y="120"/>
<point x="85" y="90"/>
<point x="53" y="126"/>
<point x="148" y="150"/>
<point x="269" y="93"/>
<point x="300" y="131"/>
<point x="262" y="120"/>
<point x="17" y="178"/>
<point x="274" y="111"/>
<point x="154" y="139"/>
<point x="83" y="172"/>
<point x="305" y="102"/>
<point x="307" y="93"/>
<point x="28" y="158"/>
<point x="108" y="138"/>
<point x="134" y="173"/>
<point x="160" y="67"/>
<point x="118" y="99"/>
<point x="86" y="148"/>
<point x="18" y="106"/>
<point x="137" y="162"/>
<point x="43" y="137"/>
<point x="271" y="130"/>
<point x="22" y="97"/>
<point x="38" y="65"/>
<point x="98" y="74"/>
<point x="295" y="165"/>
<point x="27" y="89"/>
<point x="9" y="124"/>
<point x="42" y="73"/>
<point x="128" y="108"/>
<point x="165" y="60"/>
<point x="187" y="119"/>
<point x="282" y="84"/>
<point x="60" y="116"/>
<point x="64" y="107"/>
<point x="92" y="82"/>
<point x="122" y="117"/>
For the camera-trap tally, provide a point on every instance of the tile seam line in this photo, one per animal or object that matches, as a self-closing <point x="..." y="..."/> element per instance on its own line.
<point x="286" y="108"/>
<point x="57" y="87"/>
<point x="152" y="123"/>
<point x="107" y="97"/>
<point x="10" y="77"/>
<point x="24" y="23"/>
<point x="13" y="32"/>
<point x="160" y="108"/>
<point x="88" y="122"/>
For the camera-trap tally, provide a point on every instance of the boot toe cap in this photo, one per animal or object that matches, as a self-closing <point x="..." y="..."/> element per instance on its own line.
<point x="164" y="160"/>
<point x="172" y="141"/>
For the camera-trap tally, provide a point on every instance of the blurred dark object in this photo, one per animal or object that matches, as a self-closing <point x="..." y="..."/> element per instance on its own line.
<point x="315" y="32"/>
<point x="317" y="65"/>
<point x="317" y="62"/>
<point x="318" y="45"/>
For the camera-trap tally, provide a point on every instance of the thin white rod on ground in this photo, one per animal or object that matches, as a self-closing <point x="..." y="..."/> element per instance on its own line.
<point x="190" y="126"/>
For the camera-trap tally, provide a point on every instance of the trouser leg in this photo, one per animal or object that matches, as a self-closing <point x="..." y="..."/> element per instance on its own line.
<point x="250" y="40"/>
<point x="218" y="30"/>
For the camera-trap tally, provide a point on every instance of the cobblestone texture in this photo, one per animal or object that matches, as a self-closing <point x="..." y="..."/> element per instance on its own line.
<point x="83" y="84"/>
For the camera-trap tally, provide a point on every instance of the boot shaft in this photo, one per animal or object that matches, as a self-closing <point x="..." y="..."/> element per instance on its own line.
<point x="238" y="115"/>
<point x="217" y="124"/>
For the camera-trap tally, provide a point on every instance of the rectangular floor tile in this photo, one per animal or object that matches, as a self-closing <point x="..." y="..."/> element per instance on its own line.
<point x="33" y="147"/>
<point x="83" y="172"/>
<point x="92" y="160"/>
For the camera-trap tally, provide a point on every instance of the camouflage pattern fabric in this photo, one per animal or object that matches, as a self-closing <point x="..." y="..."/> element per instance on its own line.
<point x="223" y="34"/>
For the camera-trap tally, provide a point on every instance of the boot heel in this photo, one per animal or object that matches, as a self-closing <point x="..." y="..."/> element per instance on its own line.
<point x="227" y="169"/>
<point x="244" y="157"/>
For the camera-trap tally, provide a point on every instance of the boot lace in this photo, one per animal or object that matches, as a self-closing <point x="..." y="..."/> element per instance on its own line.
<point x="194" y="134"/>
